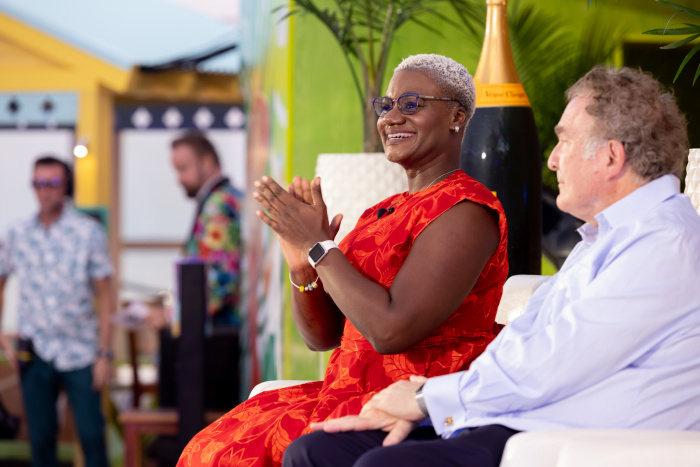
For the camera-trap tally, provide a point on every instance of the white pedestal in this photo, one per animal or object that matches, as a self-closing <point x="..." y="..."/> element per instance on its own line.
<point x="351" y="183"/>
<point x="692" y="178"/>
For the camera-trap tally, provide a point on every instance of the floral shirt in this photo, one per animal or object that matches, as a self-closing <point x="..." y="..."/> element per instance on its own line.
<point x="55" y="267"/>
<point x="215" y="239"/>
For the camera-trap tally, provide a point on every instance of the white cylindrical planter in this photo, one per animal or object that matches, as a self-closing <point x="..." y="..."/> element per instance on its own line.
<point x="692" y="178"/>
<point x="351" y="183"/>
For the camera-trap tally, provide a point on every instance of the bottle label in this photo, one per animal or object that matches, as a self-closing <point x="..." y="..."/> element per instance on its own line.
<point x="500" y="95"/>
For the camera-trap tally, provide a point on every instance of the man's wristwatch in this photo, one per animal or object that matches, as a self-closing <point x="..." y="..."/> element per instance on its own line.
<point x="319" y="251"/>
<point x="105" y="353"/>
<point x="421" y="401"/>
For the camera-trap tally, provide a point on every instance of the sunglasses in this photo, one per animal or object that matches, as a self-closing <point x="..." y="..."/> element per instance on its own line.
<point x="408" y="103"/>
<point x="53" y="182"/>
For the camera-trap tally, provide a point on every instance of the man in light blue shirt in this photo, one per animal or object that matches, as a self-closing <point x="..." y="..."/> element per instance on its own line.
<point x="611" y="341"/>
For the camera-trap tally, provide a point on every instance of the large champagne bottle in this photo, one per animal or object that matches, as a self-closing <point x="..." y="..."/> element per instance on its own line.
<point x="501" y="148"/>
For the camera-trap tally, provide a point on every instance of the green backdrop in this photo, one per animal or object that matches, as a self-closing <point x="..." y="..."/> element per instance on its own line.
<point x="326" y="118"/>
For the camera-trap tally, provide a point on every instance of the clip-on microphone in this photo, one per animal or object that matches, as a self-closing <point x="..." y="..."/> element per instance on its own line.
<point x="382" y="211"/>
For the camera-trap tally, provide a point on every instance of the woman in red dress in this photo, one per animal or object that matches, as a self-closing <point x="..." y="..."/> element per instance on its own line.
<point x="412" y="290"/>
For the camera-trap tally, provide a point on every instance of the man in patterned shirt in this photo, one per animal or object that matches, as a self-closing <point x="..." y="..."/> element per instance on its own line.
<point x="215" y="239"/>
<point x="215" y="234"/>
<point x="60" y="257"/>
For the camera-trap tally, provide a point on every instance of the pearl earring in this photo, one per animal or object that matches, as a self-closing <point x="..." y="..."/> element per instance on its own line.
<point x="456" y="129"/>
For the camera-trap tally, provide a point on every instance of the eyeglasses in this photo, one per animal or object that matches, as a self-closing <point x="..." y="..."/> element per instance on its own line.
<point x="408" y="103"/>
<point x="53" y="182"/>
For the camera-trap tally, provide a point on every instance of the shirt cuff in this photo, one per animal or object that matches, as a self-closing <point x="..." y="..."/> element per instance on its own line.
<point x="445" y="408"/>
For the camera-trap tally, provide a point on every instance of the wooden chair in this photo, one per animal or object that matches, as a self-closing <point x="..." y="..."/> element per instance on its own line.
<point x="189" y="413"/>
<point x="139" y="388"/>
<point x="137" y="421"/>
<point x="162" y="422"/>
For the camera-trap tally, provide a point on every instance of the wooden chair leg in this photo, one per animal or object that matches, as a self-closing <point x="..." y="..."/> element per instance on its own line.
<point x="132" y="446"/>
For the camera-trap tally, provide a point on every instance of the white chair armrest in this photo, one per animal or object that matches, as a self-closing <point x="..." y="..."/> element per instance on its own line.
<point x="275" y="384"/>
<point x="516" y="292"/>
<point x="603" y="448"/>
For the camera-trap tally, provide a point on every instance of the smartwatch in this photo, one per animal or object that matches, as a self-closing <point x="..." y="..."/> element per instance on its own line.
<point x="420" y="401"/>
<point x="319" y="251"/>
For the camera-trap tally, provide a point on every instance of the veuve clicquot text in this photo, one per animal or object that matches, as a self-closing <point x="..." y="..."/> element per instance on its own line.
<point x="501" y="148"/>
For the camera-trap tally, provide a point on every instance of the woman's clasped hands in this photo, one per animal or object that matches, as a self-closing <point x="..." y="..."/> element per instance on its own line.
<point x="297" y="215"/>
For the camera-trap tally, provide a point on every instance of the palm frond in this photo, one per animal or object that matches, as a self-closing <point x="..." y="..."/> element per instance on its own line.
<point x="685" y="61"/>
<point x="365" y="30"/>
<point x="681" y="42"/>
<point x="551" y="55"/>
<point x="673" y="32"/>
<point x="691" y="30"/>
<point x="681" y="8"/>
<point x="427" y="26"/>
<point x="472" y="15"/>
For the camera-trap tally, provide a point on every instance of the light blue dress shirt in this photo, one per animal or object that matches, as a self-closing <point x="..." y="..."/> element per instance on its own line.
<point x="55" y="268"/>
<point x="611" y="341"/>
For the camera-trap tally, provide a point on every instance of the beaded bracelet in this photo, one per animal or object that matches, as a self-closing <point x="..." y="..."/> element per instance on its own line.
<point x="304" y="288"/>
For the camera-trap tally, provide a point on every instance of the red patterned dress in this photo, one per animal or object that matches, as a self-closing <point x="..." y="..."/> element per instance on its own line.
<point x="257" y="432"/>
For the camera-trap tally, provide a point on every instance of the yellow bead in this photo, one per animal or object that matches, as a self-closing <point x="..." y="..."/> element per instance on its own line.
<point x="301" y="289"/>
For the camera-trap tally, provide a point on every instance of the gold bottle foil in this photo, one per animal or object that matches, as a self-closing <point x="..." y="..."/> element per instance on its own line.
<point x="496" y="79"/>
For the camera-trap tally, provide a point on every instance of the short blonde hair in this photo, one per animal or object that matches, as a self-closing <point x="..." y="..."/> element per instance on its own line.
<point x="452" y="78"/>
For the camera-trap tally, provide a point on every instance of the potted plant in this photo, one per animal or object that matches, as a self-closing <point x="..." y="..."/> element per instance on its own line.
<point x="365" y="31"/>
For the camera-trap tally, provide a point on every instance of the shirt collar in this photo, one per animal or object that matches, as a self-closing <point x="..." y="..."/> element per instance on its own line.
<point x="66" y="212"/>
<point x="636" y="204"/>
<point x="588" y="232"/>
<point x="208" y="186"/>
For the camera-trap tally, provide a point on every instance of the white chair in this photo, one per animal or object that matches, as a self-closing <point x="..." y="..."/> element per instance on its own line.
<point x="516" y="292"/>
<point x="585" y="448"/>
<point x="575" y="448"/>
<point x="603" y="448"/>
<point x="275" y="384"/>
<point x="608" y="448"/>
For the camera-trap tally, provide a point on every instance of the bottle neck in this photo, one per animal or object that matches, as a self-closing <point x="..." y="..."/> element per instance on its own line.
<point x="496" y="63"/>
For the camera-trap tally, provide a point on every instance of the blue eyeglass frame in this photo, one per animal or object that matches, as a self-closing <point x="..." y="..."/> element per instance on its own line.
<point x="381" y="113"/>
<point x="53" y="182"/>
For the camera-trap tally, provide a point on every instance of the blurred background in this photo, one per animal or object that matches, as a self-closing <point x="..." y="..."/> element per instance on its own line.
<point x="108" y="85"/>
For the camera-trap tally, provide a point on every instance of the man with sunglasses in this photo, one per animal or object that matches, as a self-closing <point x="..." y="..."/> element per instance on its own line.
<point x="60" y="257"/>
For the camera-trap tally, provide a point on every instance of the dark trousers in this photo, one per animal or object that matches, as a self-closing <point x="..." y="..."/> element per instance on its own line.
<point x="473" y="447"/>
<point x="40" y="386"/>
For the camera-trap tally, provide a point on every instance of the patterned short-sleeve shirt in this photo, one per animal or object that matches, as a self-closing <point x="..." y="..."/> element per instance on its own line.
<point x="216" y="240"/>
<point x="55" y="267"/>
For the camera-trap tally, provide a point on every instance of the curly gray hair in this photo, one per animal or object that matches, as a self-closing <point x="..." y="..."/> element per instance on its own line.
<point x="633" y="108"/>
<point x="452" y="78"/>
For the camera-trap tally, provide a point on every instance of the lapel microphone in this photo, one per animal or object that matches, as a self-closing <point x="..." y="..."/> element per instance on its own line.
<point x="382" y="211"/>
